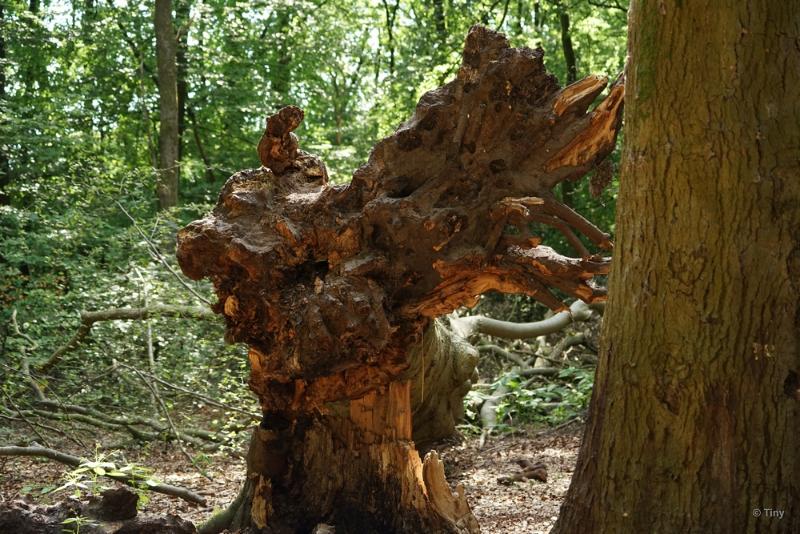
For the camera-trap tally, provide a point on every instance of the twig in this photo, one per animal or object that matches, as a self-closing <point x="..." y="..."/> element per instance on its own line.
<point x="175" y="432"/>
<point x="88" y="318"/>
<point x="64" y="433"/>
<point x="608" y="5"/>
<point x="151" y="361"/>
<point x="496" y="349"/>
<point x="24" y="365"/>
<point x="200" y="396"/>
<point x="20" y="333"/>
<point x="137" y="481"/>
<point x="26" y="372"/>
<point x="22" y="416"/>
<point x="556" y="428"/>
<point x="157" y="255"/>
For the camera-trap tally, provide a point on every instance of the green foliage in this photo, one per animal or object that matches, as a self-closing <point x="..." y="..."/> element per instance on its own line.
<point x="74" y="524"/>
<point x="551" y="403"/>
<point x="78" y="128"/>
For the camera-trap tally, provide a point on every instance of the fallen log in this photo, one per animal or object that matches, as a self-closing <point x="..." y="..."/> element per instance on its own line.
<point x="134" y="480"/>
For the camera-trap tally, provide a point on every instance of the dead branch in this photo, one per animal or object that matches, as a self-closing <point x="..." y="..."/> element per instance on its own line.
<point x="200" y="396"/>
<point x="7" y="415"/>
<point x="178" y="438"/>
<point x="160" y="257"/>
<point x="89" y="318"/>
<point x="136" y="481"/>
<point x="503" y="353"/>
<point x="103" y="420"/>
<point x="479" y="324"/>
<point x="23" y="417"/>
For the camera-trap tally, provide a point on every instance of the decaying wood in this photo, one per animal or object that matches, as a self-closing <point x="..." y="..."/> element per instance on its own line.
<point x="530" y="470"/>
<point x="330" y="285"/>
<point x="442" y="371"/>
<point x="114" y="512"/>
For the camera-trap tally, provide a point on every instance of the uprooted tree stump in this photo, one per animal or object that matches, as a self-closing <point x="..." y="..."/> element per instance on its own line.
<point x="331" y="285"/>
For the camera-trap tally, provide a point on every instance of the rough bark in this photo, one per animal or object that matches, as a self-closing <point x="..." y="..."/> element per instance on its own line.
<point x="331" y="285"/>
<point x="168" y="135"/>
<point x="693" y="420"/>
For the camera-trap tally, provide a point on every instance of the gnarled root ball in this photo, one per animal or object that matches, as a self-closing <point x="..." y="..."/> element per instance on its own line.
<point x="329" y="284"/>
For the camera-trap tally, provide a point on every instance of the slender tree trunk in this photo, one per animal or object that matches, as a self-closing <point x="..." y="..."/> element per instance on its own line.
<point x="391" y="15"/>
<point x="209" y="171"/>
<point x="567" y="187"/>
<point x="694" y="417"/>
<point x="281" y="75"/>
<point x="182" y="12"/>
<point x="439" y="21"/>
<point x="5" y="165"/>
<point x="168" y="138"/>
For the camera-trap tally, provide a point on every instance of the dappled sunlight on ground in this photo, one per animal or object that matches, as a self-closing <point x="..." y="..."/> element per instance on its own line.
<point x="526" y="507"/>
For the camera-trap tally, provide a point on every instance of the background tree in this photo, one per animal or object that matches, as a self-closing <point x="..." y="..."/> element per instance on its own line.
<point x="693" y="424"/>
<point x="168" y="106"/>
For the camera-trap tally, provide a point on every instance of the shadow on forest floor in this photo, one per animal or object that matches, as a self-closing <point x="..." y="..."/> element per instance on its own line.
<point x="524" y="507"/>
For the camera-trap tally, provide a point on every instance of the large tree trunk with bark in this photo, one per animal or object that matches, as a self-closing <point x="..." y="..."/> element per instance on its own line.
<point x="694" y="417"/>
<point x="168" y="134"/>
<point x="330" y="286"/>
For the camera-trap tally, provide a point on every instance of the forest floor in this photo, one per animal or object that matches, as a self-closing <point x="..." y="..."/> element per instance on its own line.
<point x="526" y="507"/>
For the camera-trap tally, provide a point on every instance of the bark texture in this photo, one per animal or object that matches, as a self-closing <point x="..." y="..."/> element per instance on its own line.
<point x="442" y="369"/>
<point x="331" y="285"/>
<point x="694" y="417"/>
<point x="168" y="134"/>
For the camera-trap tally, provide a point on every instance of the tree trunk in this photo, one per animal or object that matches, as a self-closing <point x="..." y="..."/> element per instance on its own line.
<point x="391" y="15"/>
<point x="331" y="285"/>
<point x="280" y="73"/>
<point x="694" y="416"/>
<point x="168" y="137"/>
<point x="182" y="19"/>
<point x="5" y="164"/>
<point x="439" y="21"/>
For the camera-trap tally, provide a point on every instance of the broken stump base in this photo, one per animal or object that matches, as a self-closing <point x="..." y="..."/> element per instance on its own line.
<point x="354" y="467"/>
